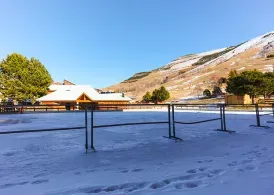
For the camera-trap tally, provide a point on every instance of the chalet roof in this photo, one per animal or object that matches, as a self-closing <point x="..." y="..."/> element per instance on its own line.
<point x="67" y="87"/>
<point x="73" y="92"/>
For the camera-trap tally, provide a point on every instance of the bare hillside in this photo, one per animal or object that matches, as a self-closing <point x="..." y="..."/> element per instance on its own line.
<point x="189" y="75"/>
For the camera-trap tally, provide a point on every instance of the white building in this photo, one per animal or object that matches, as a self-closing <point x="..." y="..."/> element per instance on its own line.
<point x="76" y="94"/>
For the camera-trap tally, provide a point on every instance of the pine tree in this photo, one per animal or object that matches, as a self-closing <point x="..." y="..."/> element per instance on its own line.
<point x="216" y="91"/>
<point x="207" y="93"/>
<point x="22" y="79"/>
<point x="249" y="82"/>
<point x="160" y="95"/>
<point x="267" y="86"/>
<point x="147" y="97"/>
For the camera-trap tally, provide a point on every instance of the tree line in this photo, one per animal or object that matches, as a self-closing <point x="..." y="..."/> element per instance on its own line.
<point x="158" y="95"/>
<point x="250" y="82"/>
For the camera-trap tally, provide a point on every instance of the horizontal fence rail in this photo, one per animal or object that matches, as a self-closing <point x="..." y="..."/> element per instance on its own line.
<point x="128" y="124"/>
<point x="220" y="107"/>
<point x="197" y="122"/>
<point x="41" y="130"/>
<point x="92" y="109"/>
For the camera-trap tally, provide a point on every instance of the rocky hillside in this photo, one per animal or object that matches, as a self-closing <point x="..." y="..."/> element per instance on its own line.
<point x="189" y="75"/>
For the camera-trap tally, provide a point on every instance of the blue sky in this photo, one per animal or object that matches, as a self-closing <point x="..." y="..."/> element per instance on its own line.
<point x="102" y="42"/>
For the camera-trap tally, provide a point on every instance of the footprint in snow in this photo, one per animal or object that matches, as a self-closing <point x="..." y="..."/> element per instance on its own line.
<point x="158" y="185"/>
<point x="265" y="149"/>
<point x="246" y="161"/>
<point x="90" y="170"/>
<point x="246" y="168"/>
<point x="133" y="170"/>
<point x="189" y="185"/>
<point x="126" y="187"/>
<point x="40" y="181"/>
<point x="232" y="164"/>
<point x="202" y="168"/>
<point x="124" y="171"/>
<point x="191" y="171"/>
<point x="137" y="170"/>
<point x="13" y="184"/>
<point x="205" y="161"/>
<point x="9" y="154"/>
<point x="39" y="175"/>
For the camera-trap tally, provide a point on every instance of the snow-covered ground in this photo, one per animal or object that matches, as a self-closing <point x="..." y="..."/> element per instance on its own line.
<point x="137" y="159"/>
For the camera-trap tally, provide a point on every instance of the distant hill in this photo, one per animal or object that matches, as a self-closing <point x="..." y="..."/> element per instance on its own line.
<point x="189" y="75"/>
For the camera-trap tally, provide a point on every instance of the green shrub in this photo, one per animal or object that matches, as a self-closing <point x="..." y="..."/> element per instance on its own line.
<point x="207" y="93"/>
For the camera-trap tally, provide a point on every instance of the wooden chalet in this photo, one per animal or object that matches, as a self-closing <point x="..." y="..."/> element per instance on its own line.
<point x="72" y="95"/>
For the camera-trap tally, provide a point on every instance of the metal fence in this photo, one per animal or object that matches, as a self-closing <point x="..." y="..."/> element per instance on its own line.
<point x="220" y="107"/>
<point x="85" y="126"/>
<point x="92" y="109"/>
<point x="260" y="111"/>
<point x="258" y="115"/>
<point x="170" y="121"/>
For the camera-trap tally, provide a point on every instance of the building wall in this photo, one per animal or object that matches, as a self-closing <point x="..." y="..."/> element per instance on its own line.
<point x="75" y="105"/>
<point x="238" y="99"/>
<point x="247" y="99"/>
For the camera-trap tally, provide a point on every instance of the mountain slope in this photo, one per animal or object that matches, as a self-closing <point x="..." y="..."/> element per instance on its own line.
<point x="189" y="75"/>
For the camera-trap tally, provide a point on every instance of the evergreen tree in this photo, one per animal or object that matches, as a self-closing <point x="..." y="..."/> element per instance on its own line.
<point x="233" y="73"/>
<point x="248" y="82"/>
<point x="216" y="91"/>
<point x="160" y="95"/>
<point x="222" y="80"/>
<point x="23" y="79"/>
<point x="207" y="93"/>
<point x="147" y="97"/>
<point x="267" y="86"/>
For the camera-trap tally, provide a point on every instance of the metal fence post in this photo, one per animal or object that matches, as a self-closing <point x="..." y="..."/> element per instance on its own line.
<point x="221" y="115"/>
<point x="91" y="128"/>
<point x="258" y="115"/>
<point x="86" y="125"/>
<point x="169" y="122"/>
<point x="224" y="121"/>
<point x="258" y="118"/>
<point x="273" y="109"/>
<point x="173" y="121"/>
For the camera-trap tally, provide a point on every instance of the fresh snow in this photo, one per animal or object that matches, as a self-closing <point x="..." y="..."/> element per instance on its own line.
<point x="212" y="52"/>
<point x="258" y="42"/>
<point x="190" y="60"/>
<point x="242" y="68"/>
<point x="137" y="159"/>
<point x="184" y="64"/>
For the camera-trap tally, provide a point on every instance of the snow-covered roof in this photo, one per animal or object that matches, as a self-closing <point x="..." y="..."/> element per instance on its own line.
<point x="66" y="87"/>
<point x="73" y="92"/>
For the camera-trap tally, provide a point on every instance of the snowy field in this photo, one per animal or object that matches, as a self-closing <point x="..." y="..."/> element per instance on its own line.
<point x="137" y="159"/>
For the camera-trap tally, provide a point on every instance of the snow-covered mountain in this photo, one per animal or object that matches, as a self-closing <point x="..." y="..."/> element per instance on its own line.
<point x="190" y="74"/>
